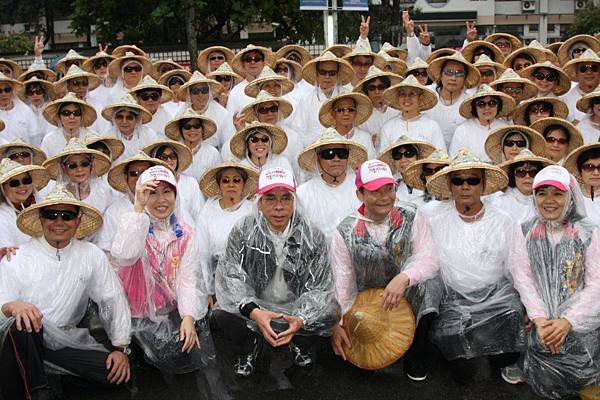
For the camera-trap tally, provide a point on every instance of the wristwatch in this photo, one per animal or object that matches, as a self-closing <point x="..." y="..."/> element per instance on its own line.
<point x="125" y="350"/>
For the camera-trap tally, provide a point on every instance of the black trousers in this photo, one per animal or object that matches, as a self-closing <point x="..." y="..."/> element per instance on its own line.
<point x="22" y="364"/>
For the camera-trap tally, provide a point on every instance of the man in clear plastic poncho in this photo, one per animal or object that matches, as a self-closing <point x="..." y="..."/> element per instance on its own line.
<point x="558" y="278"/>
<point x="44" y="294"/>
<point x="274" y="281"/>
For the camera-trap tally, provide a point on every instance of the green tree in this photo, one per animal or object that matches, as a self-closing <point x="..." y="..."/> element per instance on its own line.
<point x="586" y="21"/>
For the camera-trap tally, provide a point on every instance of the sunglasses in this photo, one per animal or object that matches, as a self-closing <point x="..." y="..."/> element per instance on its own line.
<point x="74" y="165"/>
<point x="52" y="215"/>
<point x="585" y="68"/>
<point x="455" y="73"/>
<point x="79" y="83"/>
<point x="167" y="157"/>
<point x="266" y="110"/>
<point x="327" y="72"/>
<point x="188" y="126"/>
<point x="590" y="168"/>
<point x="216" y="58"/>
<point x="457" y="181"/>
<point x="397" y="153"/>
<point x="13" y="183"/>
<point x="127" y="117"/>
<point x="145" y="96"/>
<point x="136" y="68"/>
<point x="19" y="155"/>
<point x="250" y="59"/>
<point x="551" y="139"/>
<point x="548" y="77"/>
<point x="134" y="174"/>
<point x="344" y="110"/>
<point x="422" y="74"/>
<point x="490" y="103"/>
<point x="256" y="139"/>
<point x="512" y="90"/>
<point x="199" y="90"/>
<point x="68" y="113"/>
<point x="544" y="108"/>
<point x="430" y="171"/>
<point x="522" y="173"/>
<point x="226" y="181"/>
<point x="381" y="87"/>
<point x="487" y="73"/>
<point x="512" y="143"/>
<point x="7" y="89"/>
<point x="35" y="91"/>
<point x="280" y="70"/>
<point x="361" y="64"/>
<point x="329" y="154"/>
<point x="175" y="81"/>
<point x="578" y="50"/>
<point x="100" y="64"/>
<point x="223" y="78"/>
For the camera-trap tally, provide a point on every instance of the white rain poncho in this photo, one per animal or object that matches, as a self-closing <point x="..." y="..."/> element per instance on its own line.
<point x="374" y="125"/>
<point x="160" y="119"/>
<point x="205" y="156"/>
<point x="420" y="128"/>
<point x="213" y="230"/>
<point x="21" y="123"/>
<point x="590" y="131"/>
<point x="447" y="116"/>
<point x="289" y="273"/>
<point x="55" y="141"/>
<point x="592" y="208"/>
<point x="558" y="276"/>
<point x="112" y="217"/>
<point x="472" y="135"/>
<point x="60" y="283"/>
<point x="191" y="199"/>
<point x="516" y="204"/>
<point x="10" y="235"/>
<point x="570" y="98"/>
<point x="142" y="136"/>
<point x="480" y="312"/>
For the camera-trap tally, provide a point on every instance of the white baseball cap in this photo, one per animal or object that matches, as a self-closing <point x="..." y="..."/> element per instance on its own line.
<point x="272" y="178"/>
<point x="373" y="174"/>
<point x="157" y="173"/>
<point x="553" y="175"/>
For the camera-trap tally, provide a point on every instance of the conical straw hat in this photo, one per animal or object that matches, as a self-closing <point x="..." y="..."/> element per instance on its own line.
<point x="51" y="111"/>
<point x="469" y="50"/>
<point x="268" y="75"/>
<point x="202" y="60"/>
<point x="564" y="82"/>
<point x="210" y="186"/>
<point x="71" y="55"/>
<point x="10" y="169"/>
<point x="279" y="140"/>
<point x="149" y="82"/>
<point x="364" y="108"/>
<point x="100" y="162"/>
<point x="127" y="101"/>
<point x="75" y="72"/>
<point x="38" y="154"/>
<point x="209" y="127"/>
<point x="493" y="143"/>
<point x="345" y="71"/>
<point x="427" y="99"/>
<point x="285" y="107"/>
<point x="425" y="149"/>
<point x="358" y="154"/>
<point x="412" y="174"/>
<point x="510" y="76"/>
<point x="184" y="154"/>
<point x="508" y="103"/>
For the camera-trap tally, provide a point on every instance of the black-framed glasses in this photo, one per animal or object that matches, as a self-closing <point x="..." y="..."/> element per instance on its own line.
<point x="146" y="96"/>
<point x="7" y="89"/>
<point x="135" y="68"/>
<point x="454" y="72"/>
<point x="540" y="76"/>
<point x="199" y="90"/>
<point x="223" y="78"/>
<point x="190" y="126"/>
<point x="417" y="73"/>
<point x="493" y="103"/>
<point x="398" y="153"/>
<point x="431" y="171"/>
<point x="74" y="165"/>
<point x="344" y="110"/>
<point x="34" y="91"/>
<point x="100" y="63"/>
<point x="79" y="82"/>
<point x="458" y="181"/>
<point x="226" y="181"/>
<point x="256" y="139"/>
<point x="282" y="69"/>
<point x="65" y="215"/>
<point x="540" y="109"/>
<point x="168" y="157"/>
<point x="579" y="50"/>
<point x="13" y="183"/>
<point x="381" y="87"/>
<point x="552" y="139"/>
<point x="487" y="73"/>
<point x="522" y="172"/>
<point x="329" y="154"/>
<point x="19" y="155"/>
<point x="265" y="110"/>
<point x="68" y="113"/>
<point x="511" y="143"/>
<point x="588" y="67"/>
<point x="251" y="59"/>
<point x="589" y="167"/>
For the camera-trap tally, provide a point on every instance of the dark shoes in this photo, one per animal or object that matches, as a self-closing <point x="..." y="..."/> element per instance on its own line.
<point x="301" y="358"/>
<point x="415" y="370"/>
<point x="245" y="365"/>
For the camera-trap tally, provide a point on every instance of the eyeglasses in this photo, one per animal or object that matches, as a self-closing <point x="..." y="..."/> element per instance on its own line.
<point x="512" y="90"/>
<point x="78" y="83"/>
<point x="397" y="153"/>
<point x="34" y="91"/>
<point x="266" y="110"/>
<point x="430" y="171"/>
<point x="198" y="90"/>
<point x="256" y="139"/>
<point x="101" y="63"/>
<point x="381" y="87"/>
<point x="251" y="59"/>
<point x="512" y="143"/>
<point x="13" y="183"/>
<point x="226" y="181"/>
<point x="74" y="165"/>
<point x="126" y="117"/>
<point x="487" y="73"/>
<point x="585" y="68"/>
<point x="590" y="168"/>
<point x="130" y="69"/>
<point x="329" y="154"/>
<point x="361" y="64"/>
<point x="493" y="103"/>
<point x="189" y="126"/>
<point x="19" y="155"/>
<point x="578" y="50"/>
<point x="145" y="96"/>
<point x="522" y="173"/>
<point x="457" y="181"/>
<point x="65" y="215"/>
<point x="68" y="113"/>
<point x="175" y="80"/>
<point x="7" y="89"/>
<point x="216" y="58"/>
<point x="344" y="110"/>
<point x="548" y="77"/>
<point x="280" y="70"/>
<point x="168" y="157"/>
<point x="422" y="74"/>
<point x="539" y="109"/>
<point x="454" y="72"/>
<point x="327" y="72"/>
<point x="223" y="78"/>
<point x="552" y="139"/>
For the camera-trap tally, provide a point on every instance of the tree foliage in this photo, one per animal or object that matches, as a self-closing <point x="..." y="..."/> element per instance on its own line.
<point x="586" y="21"/>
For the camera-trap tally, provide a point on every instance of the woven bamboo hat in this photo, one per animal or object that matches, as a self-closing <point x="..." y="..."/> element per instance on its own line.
<point x="553" y="47"/>
<point x="378" y="337"/>
<point x="339" y="50"/>
<point x="435" y="69"/>
<point x="182" y="73"/>
<point x="307" y="158"/>
<point x="443" y="52"/>
<point x="425" y="149"/>
<point x="563" y="51"/>
<point x="508" y="103"/>
<point x="15" y="84"/>
<point x="115" y="146"/>
<point x="484" y="61"/>
<point x="237" y="144"/>
<point x="427" y="99"/>
<point x="37" y="155"/>
<point x="525" y="155"/>
<point x="417" y="63"/>
<point x="268" y="75"/>
<point x="294" y="48"/>
<point x="149" y="82"/>
<point x="46" y="85"/>
<point x="210" y="186"/>
<point x="100" y="162"/>
<point x="225" y="70"/>
<point x="10" y="169"/>
<point x="412" y="173"/>
<point x="71" y="56"/>
<point x="285" y="107"/>
<point x="514" y="41"/>
<point x="75" y="72"/>
<point x="559" y="108"/>
<point x="571" y="161"/>
<point x="494" y="141"/>
<point x="564" y="82"/>
<point x="395" y="51"/>
<point x="88" y="65"/>
<point x="29" y="221"/>
<point x="584" y="103"/>
<point x="290" y="64"/>
<point x="156" y="66"/>
<point x="397" y="65"/>
<point x="236" y="62"/>
<point x="495" y="178"/>
<point x="114" y="68"/>
<point x="117" y="177"/>
<point x="510" y="76"/>
<point x="468" y="51"/>
<point x="363" y="48"/>
<point x="209" y="127"/>
<point x="128" y="102"/>
<point x="34" y="70"/>
<point x="375" y="73"/>
<point x="16" y="68"/>
<point x="345" y="71"/>
<point x="122" y="50"/>
<point x="184" y="154"/>
<point x="575" y="141"/>
<point x="534" y="50"/>
<point x="364" y="108"/>
<point x="88" y="112"/>
<point x="588" y="57"/>
<point x="195" y="79"/>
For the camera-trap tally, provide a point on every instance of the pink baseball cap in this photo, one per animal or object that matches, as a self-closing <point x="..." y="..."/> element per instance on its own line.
<point x="157" y="173"/>
<point x="553" y="175"/>
<point x="273" y="178"/>
<point x="373" y="174"/>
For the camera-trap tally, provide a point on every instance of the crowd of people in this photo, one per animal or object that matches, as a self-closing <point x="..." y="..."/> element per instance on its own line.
<point x="144" y="205"/>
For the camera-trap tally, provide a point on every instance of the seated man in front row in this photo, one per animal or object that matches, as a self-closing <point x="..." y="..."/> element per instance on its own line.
<point x="276" y="273"/>
<point x="44" y="294"/>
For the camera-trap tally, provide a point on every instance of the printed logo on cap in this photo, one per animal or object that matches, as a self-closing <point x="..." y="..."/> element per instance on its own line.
<point x="274" y="178"/>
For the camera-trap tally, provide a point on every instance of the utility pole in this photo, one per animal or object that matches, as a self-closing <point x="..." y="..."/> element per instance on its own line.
<point x="330" y="30"/>
<point x="543" y="27"/>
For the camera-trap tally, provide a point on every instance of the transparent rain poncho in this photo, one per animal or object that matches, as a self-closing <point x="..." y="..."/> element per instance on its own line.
<point x="559" y="277"/>
<point x="288" y="273"/>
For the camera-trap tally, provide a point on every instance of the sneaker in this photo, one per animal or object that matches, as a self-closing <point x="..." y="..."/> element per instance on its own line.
<point x="512" y="374"/>
<point x="245" y="365"/>
<point x="300" y="358"/>
<point x="415" y="370"/>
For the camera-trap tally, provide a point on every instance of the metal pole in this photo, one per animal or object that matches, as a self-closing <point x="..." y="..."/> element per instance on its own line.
<point x="326" y="38"/>
<point x="335" y="21"/>
<point x="543" y="27"/>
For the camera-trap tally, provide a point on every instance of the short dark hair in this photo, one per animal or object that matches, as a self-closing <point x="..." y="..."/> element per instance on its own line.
<point x="554" y="127"/>
<point x="240" y="171"/>
<point x="385" y="79"/>
<point x="474" y="107"/>
<point x="523" y="164"/>
<point x="587" y="155"/>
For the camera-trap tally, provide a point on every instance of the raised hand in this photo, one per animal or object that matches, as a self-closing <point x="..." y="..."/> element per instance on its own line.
<point x="142" y="194"/>
<point x="424" y="37"/>
<point x="38" y="46"/>
<point x="409" y="24"/>
<point x="471" y="30"/>
<point x="364" y="27"/>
